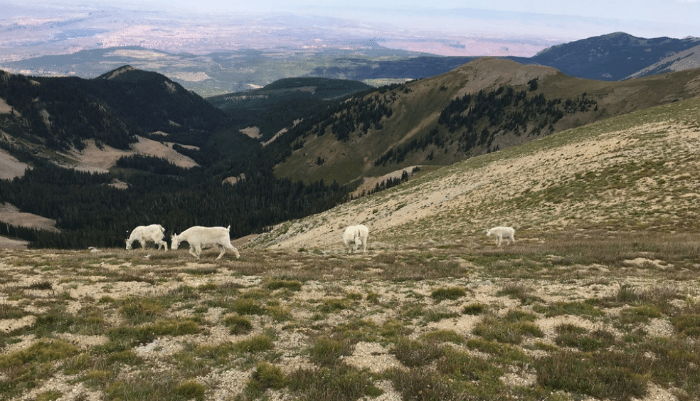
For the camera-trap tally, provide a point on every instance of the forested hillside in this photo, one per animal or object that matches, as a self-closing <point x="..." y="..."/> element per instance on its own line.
<point x="89" y="210"/>
<point x="60" y="115"/>
<point x="279" y="104"/>
<point x="483" y="106"/>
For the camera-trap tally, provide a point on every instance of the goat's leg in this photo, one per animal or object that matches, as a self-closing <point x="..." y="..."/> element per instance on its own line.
<point x="195" y="251"/>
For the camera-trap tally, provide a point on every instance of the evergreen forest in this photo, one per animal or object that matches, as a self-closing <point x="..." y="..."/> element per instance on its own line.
<point x="478" y="119"/>
<point x="90" y="212"/>
<point x="60" y="114"/>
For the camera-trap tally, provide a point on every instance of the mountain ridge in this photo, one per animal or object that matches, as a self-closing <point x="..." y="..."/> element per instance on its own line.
<point x="425" y="123"/>
<point x="234" y="71"/>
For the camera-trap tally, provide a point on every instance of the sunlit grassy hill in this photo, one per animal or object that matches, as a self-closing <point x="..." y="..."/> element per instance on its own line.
<point x="626" y="175"/>
<point x="485" y="105"/>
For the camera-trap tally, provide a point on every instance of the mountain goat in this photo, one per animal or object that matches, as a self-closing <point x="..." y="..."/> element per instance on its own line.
<point x="204" y="237"/>
<point x="143" y="234"/>
<point x="501" y="232"/>
<point x="357" y="234"/>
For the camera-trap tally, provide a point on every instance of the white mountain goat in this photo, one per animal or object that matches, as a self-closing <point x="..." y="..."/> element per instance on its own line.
<point x="204" y="237"/>
<point x="143" y="234"/>
<point x="357" y="234"/>
<point x="502" y="232"/>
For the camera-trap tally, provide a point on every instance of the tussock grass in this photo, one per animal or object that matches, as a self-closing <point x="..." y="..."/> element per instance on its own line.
<point x="474" y="309"/>
<point x="191" y="389"/>
<point x="338" y="382"/>
<point x="604" y="375"/>
<point x="331" y="314"/>
<point x="434" y="310"/>
<point x="569" y="308"/>
<point x="451" y="293"/>
<point x="327" y="351"/>
<point x="521" y="292"/>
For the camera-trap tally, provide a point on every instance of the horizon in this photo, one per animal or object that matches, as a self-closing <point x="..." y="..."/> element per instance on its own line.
<point x="444" y="27"/>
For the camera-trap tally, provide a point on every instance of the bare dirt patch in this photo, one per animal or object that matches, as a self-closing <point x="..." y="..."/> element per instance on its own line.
<point x="11" y="215"/>
<point x="96" y="159"/>
<point x="10" y="167"/>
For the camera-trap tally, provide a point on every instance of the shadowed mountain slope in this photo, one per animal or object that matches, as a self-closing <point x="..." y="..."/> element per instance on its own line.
<point x="611" y="57"/>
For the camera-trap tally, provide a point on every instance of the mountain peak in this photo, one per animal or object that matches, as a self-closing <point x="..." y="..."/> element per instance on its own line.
<point x="115" y="73"/>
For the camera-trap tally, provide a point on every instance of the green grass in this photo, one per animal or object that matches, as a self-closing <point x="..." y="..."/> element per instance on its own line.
<point x="604" y="375"/>
<point x="450" y="293"/>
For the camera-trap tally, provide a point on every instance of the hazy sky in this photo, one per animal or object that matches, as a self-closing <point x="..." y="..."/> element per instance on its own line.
<point x="558" y="20"/>
<point x="646" y="18"/>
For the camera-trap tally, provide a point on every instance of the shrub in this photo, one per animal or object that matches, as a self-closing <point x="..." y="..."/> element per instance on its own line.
<point x="326" y="351"/>
<point x="268" y="375"/>
<point x="415" y="353"/>
<point x="573" y="336"/>
<point x="425" y="383"/>
<point x="504" y="331"/>
<point x="465" y="366"/>
<point x="474" y="309"/>
<point x="688" y="324"/>
<point x="603" y="375"/>
<point x="333" y="383"/>
<point x="191" y="389"/>
<point x="292" y="285"/>
<point x="238" y="324"/>
<point x="451" y="293"/>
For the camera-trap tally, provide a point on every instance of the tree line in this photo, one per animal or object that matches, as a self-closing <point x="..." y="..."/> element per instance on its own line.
<point x="63" y="115"/>
<point x="480" y="117"/>
<point x="90" y="212"/>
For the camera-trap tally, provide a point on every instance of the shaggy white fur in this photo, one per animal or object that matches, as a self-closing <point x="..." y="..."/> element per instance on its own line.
<point x="357" y="235"/>
<point x="143" y="234"/>
<point x="502" y="232"/>
<point x="204" y="237"/>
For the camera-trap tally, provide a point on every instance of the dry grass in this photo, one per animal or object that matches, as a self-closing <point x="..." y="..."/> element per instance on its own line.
<point x="297" y="325"/>
<point x="597" y="299"/>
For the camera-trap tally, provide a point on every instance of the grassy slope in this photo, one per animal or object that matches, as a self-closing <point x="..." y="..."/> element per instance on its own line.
<point x="417" y="106"/>
<point x="631" y="173"/>
<point x="597" y="300"/>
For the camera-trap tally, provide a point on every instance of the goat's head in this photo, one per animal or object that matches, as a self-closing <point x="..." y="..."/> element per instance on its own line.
<point x="174" y="241"/>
